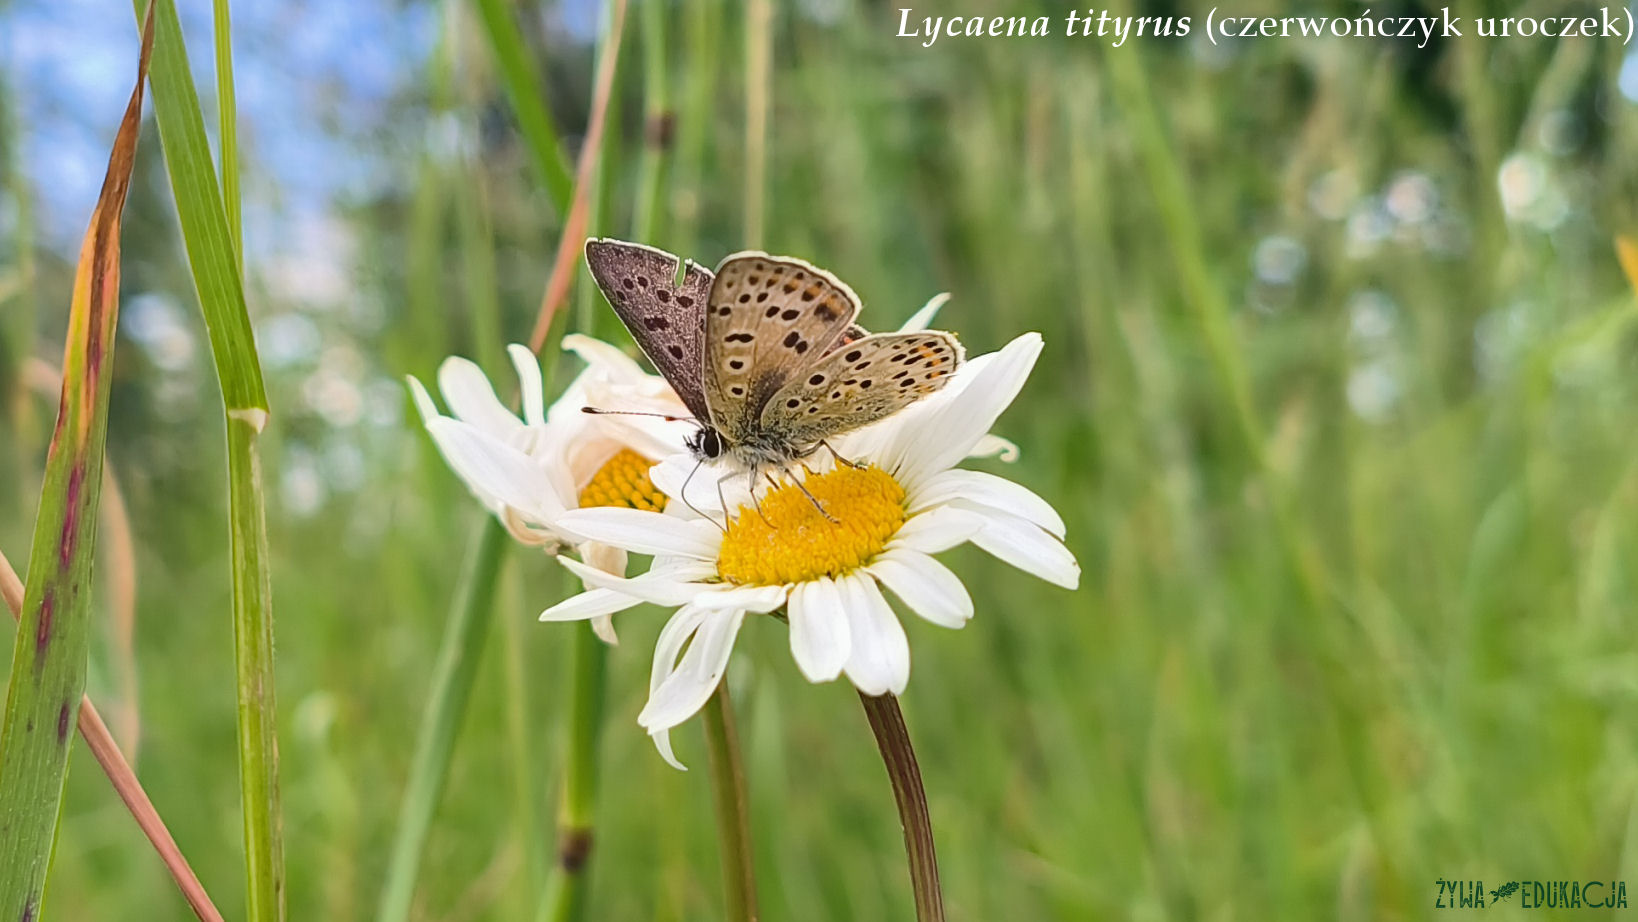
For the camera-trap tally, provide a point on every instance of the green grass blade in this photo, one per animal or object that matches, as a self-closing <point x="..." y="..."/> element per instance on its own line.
<point x="213" y="257"/>
<point x="464" y="637"/>
<point x="205" y="231"/>
<point x="758" y="87"/>
<point x="522" y="82"/>
<point x="50" y="655"/>
<point x="228" y="124"/>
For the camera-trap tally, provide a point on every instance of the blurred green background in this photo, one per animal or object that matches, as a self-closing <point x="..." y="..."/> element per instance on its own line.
<point x="1337" y="400"/>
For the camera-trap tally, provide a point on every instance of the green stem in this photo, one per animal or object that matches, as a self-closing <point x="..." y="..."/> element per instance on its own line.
<point x="527" y="790"/>
<point x="733" y="814"/>
<point x="459" y="652"/>
<point x="887" y="722"/>
<point x="253" y="659"/>
<point x="565" y="897"/>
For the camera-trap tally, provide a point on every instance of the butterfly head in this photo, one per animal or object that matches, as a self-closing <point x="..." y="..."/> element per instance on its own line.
<point x="706" y="443"/>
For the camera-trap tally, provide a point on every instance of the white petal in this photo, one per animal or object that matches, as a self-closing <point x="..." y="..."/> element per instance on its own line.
<point x="423" y="400"/>
<point x="819" y="630"/>
<point x="1021" y="543"/>
<point x="660" y="589"/>
<point x="676" y="632"/>
<point x="593" y="603"/>
<point x="603" y="627"/>
<point x="604" y="557"/>
<point x="758" y="599"/>
<point x="662" y="742"/>
<point x="923" y="318"/>
<point x="528" y="368"/>
<point x="970" y="488"/>
<point x="669" y="644"/>
<point x="471" y="398"/>
<point x="926" y="586"/>
<point x="649" y="436"/>
<point x="494" y="470"/>
<point x="937" y="530"/>
<point x="994" y="446"/>
<point x="878" y="661"/>
<point x="645" y="532"/>
<point x="604" y="357"/>
<point x="711" y="488"/>
<point x="687" y="688"/>
<point x="939" y="438"/>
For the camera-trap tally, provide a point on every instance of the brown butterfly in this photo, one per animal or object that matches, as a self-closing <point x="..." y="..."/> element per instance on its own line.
<point x="765" y="352"/>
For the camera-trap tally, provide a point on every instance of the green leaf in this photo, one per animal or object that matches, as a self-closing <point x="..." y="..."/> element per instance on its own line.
<point x="50" y="654"/>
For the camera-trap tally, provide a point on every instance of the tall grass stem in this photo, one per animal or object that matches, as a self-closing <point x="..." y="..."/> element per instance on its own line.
<point x="459" y="653"/>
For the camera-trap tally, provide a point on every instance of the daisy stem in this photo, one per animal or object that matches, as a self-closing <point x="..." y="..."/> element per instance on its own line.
<point x="887" y="722"/>
<point x="566" y="888"/>
<point x="733" y="816"/>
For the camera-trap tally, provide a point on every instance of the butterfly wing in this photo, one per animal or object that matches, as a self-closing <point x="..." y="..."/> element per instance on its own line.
<point x="768" y="318"/>
<point x="861" y="382"/>
<point x="666" y="319"/>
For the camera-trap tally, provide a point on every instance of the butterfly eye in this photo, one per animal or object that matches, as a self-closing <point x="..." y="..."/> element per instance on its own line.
<point x="710" y="443"/>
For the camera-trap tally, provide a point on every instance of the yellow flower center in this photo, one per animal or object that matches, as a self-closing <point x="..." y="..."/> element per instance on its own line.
<point x="792" y="542"/>
<point x="623" y="481"/>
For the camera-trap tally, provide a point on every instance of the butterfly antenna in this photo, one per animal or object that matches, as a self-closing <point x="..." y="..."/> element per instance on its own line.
<point x="683" y="495"/>
<point x="597" y="411"/>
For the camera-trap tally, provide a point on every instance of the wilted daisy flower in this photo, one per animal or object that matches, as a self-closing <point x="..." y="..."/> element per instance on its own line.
<point x="904" y="502"/>
<point x="529" y="471"/>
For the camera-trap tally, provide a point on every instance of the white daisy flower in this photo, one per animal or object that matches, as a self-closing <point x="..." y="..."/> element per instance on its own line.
<point x="906" y="502"/>
<point x="529" y="471"/>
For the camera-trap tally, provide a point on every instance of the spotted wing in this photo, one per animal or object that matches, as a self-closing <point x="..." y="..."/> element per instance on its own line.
<point x="666" y="319"/>
<point x="861" y="382"/>
<point x="768" y="318"/>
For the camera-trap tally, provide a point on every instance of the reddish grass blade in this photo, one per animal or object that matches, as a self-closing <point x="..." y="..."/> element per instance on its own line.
<point x="574" y="228"/>
<point x="108" y="755"/>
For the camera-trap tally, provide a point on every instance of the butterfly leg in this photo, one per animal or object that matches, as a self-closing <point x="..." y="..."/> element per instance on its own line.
<point x="684" y="497"/>
<point x="755" y="503"/>
<point x="812" y="499"/>
<point x="723" y="500"/>
<point x="838" y="455"/>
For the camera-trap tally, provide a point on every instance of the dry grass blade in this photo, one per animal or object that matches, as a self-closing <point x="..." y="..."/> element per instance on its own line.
<point x="122" y="777"/>
<point x="53" y="639"/>
<point x="574" y="229"/>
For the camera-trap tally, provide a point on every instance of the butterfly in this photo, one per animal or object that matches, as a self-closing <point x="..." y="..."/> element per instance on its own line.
<point x="765" y="351"/>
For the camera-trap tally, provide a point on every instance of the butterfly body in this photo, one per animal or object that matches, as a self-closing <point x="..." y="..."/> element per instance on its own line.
<point x="764" y="351"/>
